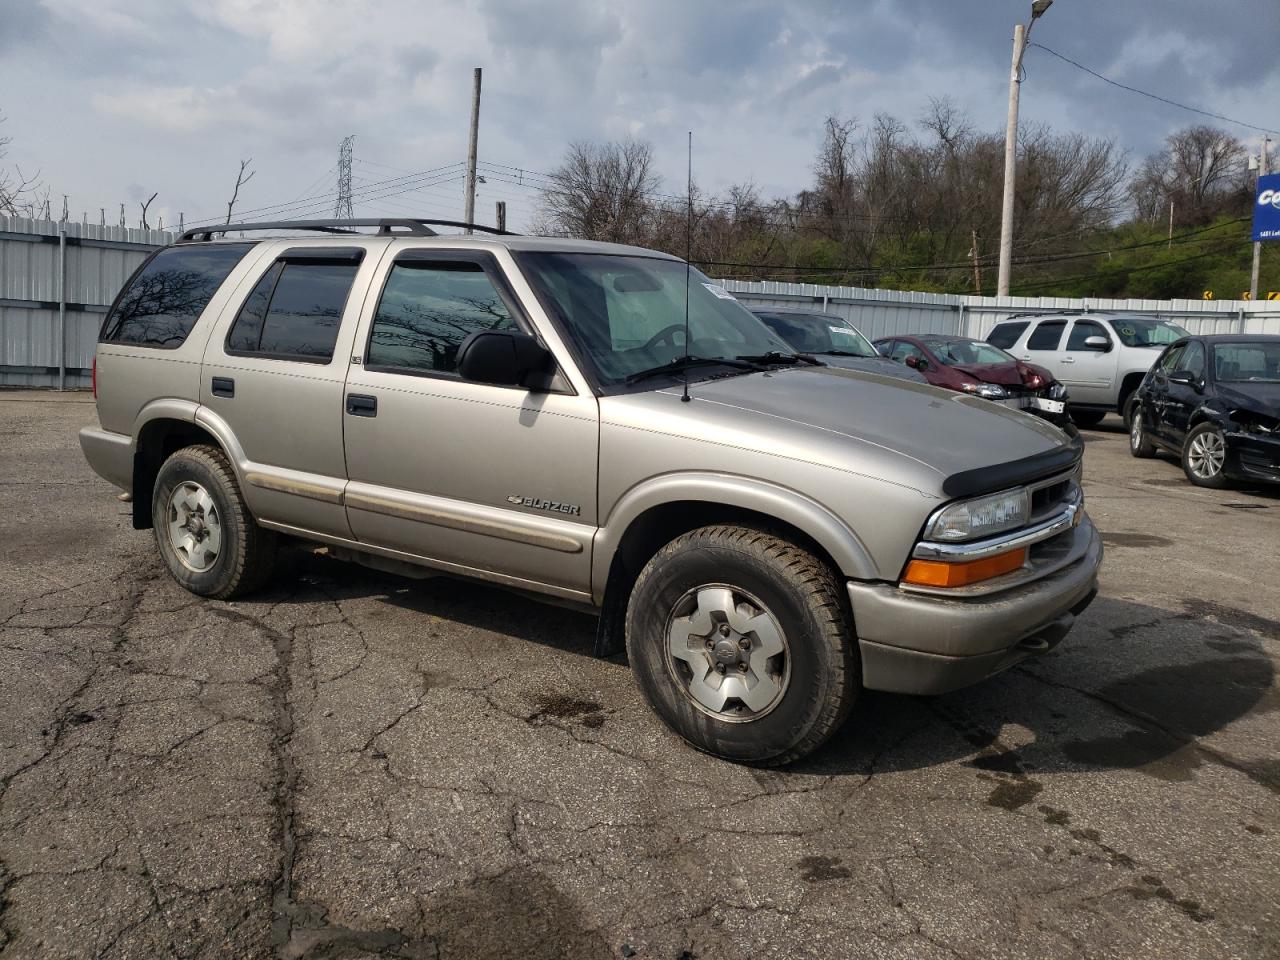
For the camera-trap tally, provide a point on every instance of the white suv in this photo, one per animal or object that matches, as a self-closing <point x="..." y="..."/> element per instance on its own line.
<point x="1100" y="357"/>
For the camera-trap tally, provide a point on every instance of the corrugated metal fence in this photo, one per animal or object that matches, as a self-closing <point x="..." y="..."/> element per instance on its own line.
<point x="58" y="279"/>
<point x="56" y="282"/>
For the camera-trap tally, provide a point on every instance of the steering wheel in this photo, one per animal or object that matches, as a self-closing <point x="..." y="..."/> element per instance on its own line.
<point x="665" y="335"/>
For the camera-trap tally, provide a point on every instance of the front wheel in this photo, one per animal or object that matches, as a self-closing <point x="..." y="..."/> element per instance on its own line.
<point x="1204" y="456"/>
<point x="204" y="531"/>
<point x="741" y="642"/>
<point x="1087" y="418"/>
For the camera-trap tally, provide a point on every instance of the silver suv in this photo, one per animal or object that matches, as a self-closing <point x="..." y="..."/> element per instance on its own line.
<point x="766" y="534"/>
<point x="1100" y="357"/>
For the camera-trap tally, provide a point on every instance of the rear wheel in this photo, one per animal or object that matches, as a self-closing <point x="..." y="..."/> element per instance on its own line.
<point x="1087" y="418"/>
<point x="204" y="531"/>
<point x="1140" y="444"/>
<point x="741" y="642"/>
<point x="1204" y="456"/>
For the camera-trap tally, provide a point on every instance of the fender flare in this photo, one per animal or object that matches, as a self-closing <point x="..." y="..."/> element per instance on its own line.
<point x="815" y="520"/>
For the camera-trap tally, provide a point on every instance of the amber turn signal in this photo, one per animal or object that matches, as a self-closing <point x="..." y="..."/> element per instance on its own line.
<point x="939" y="573"/>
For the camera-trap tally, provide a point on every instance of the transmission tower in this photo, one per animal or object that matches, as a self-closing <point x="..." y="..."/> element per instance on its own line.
<point x="342" y="210"/>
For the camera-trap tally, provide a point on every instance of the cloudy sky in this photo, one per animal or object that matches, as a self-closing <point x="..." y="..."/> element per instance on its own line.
<point x="112" y="100"/>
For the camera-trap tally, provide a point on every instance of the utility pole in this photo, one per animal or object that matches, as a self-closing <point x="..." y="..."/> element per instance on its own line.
<point x="977" y="269"/>
<point x="1020" y="34"/>
<point x="500" y="214"/>
<point x="470" y="215"/>
<point x="342" y="209"/>
<point x="1257" y="245"/>
<point x="1170" y="223"/>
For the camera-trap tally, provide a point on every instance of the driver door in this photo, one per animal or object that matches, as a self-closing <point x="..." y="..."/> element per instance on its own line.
<point x="1181" y="399"/>
<point x="492" y="481"/>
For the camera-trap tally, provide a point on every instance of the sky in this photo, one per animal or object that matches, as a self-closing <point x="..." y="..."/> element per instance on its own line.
<point x="113" y="100"/>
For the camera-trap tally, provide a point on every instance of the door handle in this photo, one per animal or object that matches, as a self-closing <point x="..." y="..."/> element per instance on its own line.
<point x="360" y="405"/>
<point x="1068" y="359"/>
<point x="223" y="387"/>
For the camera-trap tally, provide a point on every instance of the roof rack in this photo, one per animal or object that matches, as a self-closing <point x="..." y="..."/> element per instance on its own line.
<point x="412" y="226"/>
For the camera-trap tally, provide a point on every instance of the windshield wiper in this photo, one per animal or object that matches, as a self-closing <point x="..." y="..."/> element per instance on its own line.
<point x="774" y="356"/>
<point x="683" y="363"/>
<point x="850" y="353"/>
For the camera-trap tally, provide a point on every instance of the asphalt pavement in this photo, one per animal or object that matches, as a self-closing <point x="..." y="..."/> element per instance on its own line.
<point x="351" y="764"/>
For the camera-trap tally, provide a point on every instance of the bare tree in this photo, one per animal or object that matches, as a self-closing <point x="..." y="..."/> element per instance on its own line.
<point x="144" y="206"/>
<point x="17" y="191"/>
<point x="1201" y="170"/>
<point x="241" y="179"/>
<point x="602" y="191"/>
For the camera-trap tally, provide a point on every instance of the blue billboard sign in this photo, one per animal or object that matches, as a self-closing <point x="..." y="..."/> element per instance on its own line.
<point x="1266" y="209"/>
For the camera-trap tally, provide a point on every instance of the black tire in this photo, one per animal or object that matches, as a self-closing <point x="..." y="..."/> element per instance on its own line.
<point x="247" y="552"/>
<point x="805" y="599"/>
<point x="1128" y="406"/>
<point x="1087" y="418"/>
<point x="1211" y="434"/>
<point x="1140" y="444"/>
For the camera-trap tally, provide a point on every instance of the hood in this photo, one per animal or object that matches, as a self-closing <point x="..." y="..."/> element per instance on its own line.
<point x="907" y="433"/>
<point x="1257" y="397"/>
<point x="881" y="365"/>
<point x="1011" y="374"/>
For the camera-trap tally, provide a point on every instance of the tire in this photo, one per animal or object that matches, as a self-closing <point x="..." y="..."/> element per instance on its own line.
<point x="1087" y="418"/>
<point x="1140" y="444"/>
<point x="219" y="552"/>
<point x="781" y="598"/>
<point x="1204" y="456"/>
<point x="1128" y="407"/>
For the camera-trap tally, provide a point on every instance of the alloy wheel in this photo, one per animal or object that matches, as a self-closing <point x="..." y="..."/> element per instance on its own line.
<point x="1207" y="454"/>
<point x="195" y="526"/>
<point x="728" y="653"/>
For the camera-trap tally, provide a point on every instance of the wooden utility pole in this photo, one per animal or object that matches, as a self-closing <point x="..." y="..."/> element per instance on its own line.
<point x="470" y="215"/>
<point x="500" y="214"/>
<point x="977" y="267"/>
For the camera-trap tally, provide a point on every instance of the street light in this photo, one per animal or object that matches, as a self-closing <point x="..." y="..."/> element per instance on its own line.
<point x="1020" y="34"/>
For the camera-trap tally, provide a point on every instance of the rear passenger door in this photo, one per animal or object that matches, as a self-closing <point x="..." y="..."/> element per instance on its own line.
<point x="1043" y="346"/>
<point x="273" y="372"/>
<point x="486" y="480"/>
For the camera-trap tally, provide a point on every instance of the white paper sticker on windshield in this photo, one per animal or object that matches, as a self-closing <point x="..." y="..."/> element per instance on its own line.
<point x="720" y="292"/>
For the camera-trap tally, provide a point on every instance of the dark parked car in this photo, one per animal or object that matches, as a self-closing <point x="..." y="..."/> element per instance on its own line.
<point x="833" y="338"/>
<point x="1214" y="401"/>
<point x="976" y="367"/>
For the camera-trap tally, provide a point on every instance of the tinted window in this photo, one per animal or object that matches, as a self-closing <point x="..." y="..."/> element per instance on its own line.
<point x="1005" y="335"/>
<point x="164" y="300"/>
<point x="1047" y="335"/>
<point x="952" y="352"/>
<point x="1082" y="331"/>
<point x="1193" y="359"/>
<point x="1169" y="362"/>
<point x="428" y="309"/>
<point x="818" y="333"/>
<point x="294" y="311"/>
<point x="1250" y="361"/>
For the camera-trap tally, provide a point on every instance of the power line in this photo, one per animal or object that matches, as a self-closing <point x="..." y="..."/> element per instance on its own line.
<point x="1153" y="96"/>
<point x="1044" y="284"/>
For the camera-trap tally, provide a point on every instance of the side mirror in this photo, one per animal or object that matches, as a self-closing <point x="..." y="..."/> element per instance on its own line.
<point x="1099" y="343"/>
<point x="1186" y="378"/>
<point x="504" y="358"/>
<point x="915" y="363"/>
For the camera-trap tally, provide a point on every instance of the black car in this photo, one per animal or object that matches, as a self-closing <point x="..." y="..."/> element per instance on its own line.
<point x="1215" y="401"/>
<point x="833" y="338"/>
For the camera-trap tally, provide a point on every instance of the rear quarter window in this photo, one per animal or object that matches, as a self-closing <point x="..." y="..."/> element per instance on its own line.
<point x="162" y="301"/>
<point x="1005" y="335"/>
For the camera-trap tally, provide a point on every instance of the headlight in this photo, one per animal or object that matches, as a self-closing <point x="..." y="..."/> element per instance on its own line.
<point x="1057" y="392"/>
<point x="990" y="391"/>
<point x="981" y="517"/>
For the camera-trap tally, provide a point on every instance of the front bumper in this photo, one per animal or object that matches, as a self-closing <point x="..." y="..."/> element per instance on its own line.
<point x="928" y="644"/>
<point x="1251" y="456"/>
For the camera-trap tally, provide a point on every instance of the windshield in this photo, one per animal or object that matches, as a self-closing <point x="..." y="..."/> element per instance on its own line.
<point x="1140" y="332"/>
<point x="1249" y="362"/>
<point x="819" y="333"/>
<point x="627" y="314"/>
<point x="952" y="352"/>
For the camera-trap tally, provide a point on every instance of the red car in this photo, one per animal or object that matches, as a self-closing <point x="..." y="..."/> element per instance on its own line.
<point x="976" y="367"/>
